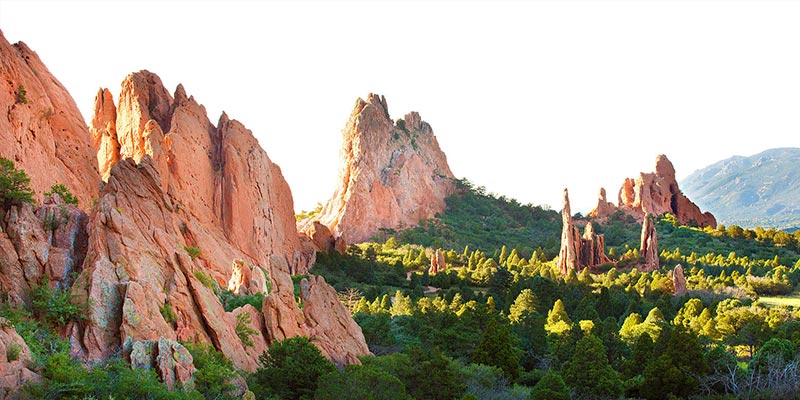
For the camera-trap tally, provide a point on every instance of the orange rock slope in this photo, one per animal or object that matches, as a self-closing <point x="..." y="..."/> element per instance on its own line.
<point x="188" y="205"/>
<point x="393" y="175"/>
<point x="654" y="193"/>
<point x="42" y="129"/>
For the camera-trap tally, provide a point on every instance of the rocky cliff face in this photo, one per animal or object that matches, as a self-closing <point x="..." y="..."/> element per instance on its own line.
<point x="187" y="206"/>
<point x="41" y="128"/>
<point x="42" y="245"/>
<point x="656" y="193"/>
<point x="393" y="175"/>
<point x="579" y="252"/>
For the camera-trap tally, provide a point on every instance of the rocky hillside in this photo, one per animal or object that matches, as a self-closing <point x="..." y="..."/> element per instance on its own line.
<point x="393" y="175"/>
<point x="41" y="129"/>
<point x="760" y="190"/>
<point x="654" y="193"/>
<point x="185" y="207"/>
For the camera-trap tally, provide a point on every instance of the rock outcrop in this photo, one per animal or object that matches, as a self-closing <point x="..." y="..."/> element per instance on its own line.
<point x="247" y="279"/>
<point x="656" y="193"/>
<point x="438" y="262"/>
<point x="172" y="361"/>
<point x="579" y="252"/>
<point x="593" y="248"/>
<point x="321" y="311"/>
<point x="45" y="245"/>
<point x="679" y="281"/>
<point x="570" y="240"/>
<point x="42" y="130"/>
<point x="14" y="358"/>
<point x="393" y="175"/>
<point x="604" y="207"/>
<point x="186" y="205"/>
<point x="648" y="248"/>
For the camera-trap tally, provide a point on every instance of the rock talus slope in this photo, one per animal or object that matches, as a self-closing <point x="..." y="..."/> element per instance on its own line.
<point x="393" y="175"/>
<point x="41" y="128"/>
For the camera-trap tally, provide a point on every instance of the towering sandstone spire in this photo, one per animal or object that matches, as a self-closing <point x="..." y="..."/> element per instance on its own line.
<point x="579" y="252"/>
<point x="393" y="175"/>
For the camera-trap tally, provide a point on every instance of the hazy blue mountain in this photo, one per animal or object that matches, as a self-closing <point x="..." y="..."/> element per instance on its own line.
<point x="763" y="189"/>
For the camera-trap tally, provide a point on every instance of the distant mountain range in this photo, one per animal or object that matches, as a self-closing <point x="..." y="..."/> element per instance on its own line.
<point x="760" y="190"/>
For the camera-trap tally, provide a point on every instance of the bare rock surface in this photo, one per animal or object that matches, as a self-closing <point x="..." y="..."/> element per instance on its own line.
<point x="578" y="252"/>
<point x="14" y="356"/>
<point x="655" y="193"/>
<point x="41" y="129"/>
<point x="393" y="175"/>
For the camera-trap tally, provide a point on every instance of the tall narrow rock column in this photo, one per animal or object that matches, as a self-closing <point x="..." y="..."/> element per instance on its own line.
<point x="649" y="245"/>
<point x="570" y="240"/>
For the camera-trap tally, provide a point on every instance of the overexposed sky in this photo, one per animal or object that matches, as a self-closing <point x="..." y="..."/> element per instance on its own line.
<point x="525" y="97"/>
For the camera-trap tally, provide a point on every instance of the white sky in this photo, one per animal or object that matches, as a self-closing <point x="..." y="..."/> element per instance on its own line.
<point x="526" y="98"/>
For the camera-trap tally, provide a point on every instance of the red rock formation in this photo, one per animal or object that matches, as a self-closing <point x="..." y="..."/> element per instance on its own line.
<point x="321" y="311"/>
<point x="14" y="358"/>
<point x="593" y="248"/>
<point x="392" y="175"/>
<point x="41" y="246"/>
<point x="656" y="193"/>
<point x="679" y="281"/>
<point x="247" y="279"/>
<point x="648" y="249"/>
<point x="42" y="130"/>
<point x="172" y="361"/>
<point x="604" y="207"/>
<point x="438" y="262"/>
<point x="320" y="236"/>
<point x="181" y="210"/>
<point x="570" y="240"/>
<point x="579" y="252"/>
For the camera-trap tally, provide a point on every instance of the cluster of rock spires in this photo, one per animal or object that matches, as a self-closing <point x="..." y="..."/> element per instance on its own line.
<point x="181" y="203"/>
<point x="649" y="195"/>
<point x="393" y="175"/>
<point x="654" y="193"/>
<point x="579" y="252"/>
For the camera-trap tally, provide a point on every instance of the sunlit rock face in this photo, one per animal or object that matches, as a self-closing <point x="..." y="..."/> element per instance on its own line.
<point x="655" y="193"/>
<point x="41" y="129"/>
<point x="393" y="175"/>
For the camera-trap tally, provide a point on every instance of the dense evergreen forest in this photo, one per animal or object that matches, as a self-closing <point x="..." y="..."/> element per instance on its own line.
<point x="497" y="321"/>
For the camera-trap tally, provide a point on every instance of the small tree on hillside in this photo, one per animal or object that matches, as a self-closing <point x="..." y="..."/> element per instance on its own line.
<point x="14" y="185"/>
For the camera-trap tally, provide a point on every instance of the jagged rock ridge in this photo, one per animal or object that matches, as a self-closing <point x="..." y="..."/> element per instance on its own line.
<point x="578" y="252"/>
<point x="654" y="193"/>
<point x="393" y="175"/>
<point x="42" y="129"/>
<point x="187" y="203"/>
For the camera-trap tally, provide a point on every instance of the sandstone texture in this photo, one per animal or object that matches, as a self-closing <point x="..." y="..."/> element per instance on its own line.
<point x="655" y="193"/>
<point x="323" y="318"/>
<point x="14" y="356"/>
<point x="438" y="262"/>
<point x="604" y="207"/>
<point x="393" y="175"/>
<point x="679" y="281"/>
<point x="188" y="206"/>
<point x="44" y="245"/>
<point x="648" y="249"/>
<point x="170" y="359"/>
<point x="579" y="252"/>
<point x="41" y="129"/>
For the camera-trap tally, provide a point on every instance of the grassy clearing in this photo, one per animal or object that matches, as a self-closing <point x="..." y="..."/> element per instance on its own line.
<point x="791" y="300"/>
